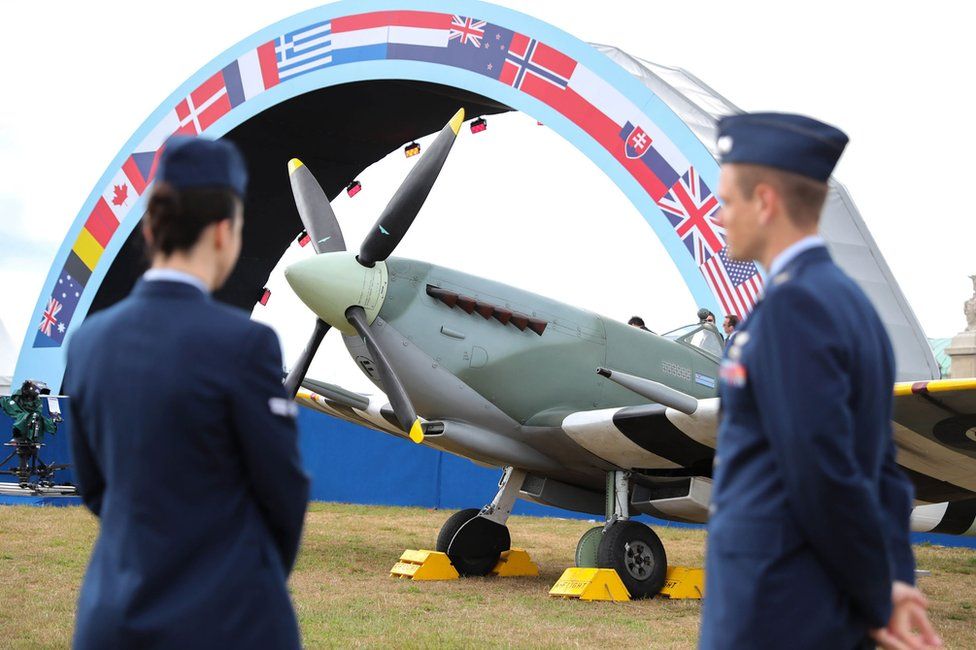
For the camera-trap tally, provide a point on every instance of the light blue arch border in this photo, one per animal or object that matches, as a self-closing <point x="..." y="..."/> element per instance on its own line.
<point x="47" y="364"/>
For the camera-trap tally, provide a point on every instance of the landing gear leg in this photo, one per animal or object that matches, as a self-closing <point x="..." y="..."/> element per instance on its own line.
<point x="617" y="509"/>
<point x="474" y="539"/>
<point x="629" y="547"/>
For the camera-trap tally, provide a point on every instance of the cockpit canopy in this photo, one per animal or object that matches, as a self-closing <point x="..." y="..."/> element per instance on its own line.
<point x="703" y="337"/>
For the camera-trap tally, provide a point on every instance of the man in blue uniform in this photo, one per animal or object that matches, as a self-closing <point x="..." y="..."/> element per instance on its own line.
<point x="809" y="531"/>
<point x="184" y="441"/>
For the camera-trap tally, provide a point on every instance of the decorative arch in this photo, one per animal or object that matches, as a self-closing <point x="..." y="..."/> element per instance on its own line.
<point x="489" y="57"/>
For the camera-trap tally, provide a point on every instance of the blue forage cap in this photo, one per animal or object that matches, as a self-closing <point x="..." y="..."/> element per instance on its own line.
<point x="793" y="143"/>
<point x="193" y="162"/>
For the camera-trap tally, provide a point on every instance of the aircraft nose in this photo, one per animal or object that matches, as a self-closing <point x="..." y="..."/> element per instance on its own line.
<point x="331" y="283"/>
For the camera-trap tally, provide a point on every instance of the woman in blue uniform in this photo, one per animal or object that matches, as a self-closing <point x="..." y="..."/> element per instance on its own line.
<point x="184" y="442"/>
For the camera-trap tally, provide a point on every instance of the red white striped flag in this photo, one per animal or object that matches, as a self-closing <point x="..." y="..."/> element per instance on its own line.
<point x="738" y="285"/>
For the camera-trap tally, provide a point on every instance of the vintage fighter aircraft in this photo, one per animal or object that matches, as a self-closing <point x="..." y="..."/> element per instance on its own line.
<point x="582" y="412"/>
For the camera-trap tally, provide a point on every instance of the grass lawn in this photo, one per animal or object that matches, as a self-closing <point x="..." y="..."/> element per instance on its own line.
<point x="345" y="597"/>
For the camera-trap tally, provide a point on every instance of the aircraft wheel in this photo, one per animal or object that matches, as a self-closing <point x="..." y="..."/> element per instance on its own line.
<point x="586" y="549"/>
<point x="635" y="552"/>
<point x="473" y="543"/>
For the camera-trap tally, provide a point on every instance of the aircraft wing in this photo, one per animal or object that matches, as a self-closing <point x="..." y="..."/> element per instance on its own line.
<point x="934" y="428"/>
<point x="371" y="411"/>
<point x="650" y="436"/>
<point x="935" y="432"/>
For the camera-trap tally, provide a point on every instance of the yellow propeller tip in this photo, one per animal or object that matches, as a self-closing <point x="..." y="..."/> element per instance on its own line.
<point x="417" y="432"/>
<point x="294" y="164"/>
<point x="457" y="120"/>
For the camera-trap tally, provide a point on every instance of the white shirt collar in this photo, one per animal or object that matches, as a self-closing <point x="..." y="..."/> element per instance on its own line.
<point x="790" y="253"/>
<point x="172" y="275"/>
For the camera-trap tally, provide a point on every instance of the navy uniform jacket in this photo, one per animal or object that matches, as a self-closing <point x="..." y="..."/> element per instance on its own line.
<point x="185" y="447"/>
<point x="809" y="525"/>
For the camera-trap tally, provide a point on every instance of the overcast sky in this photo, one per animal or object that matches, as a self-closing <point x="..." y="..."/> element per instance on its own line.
<point x="546" y="218"/>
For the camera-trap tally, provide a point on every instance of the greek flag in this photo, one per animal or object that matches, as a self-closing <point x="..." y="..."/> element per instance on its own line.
<point x="304" y="50"/>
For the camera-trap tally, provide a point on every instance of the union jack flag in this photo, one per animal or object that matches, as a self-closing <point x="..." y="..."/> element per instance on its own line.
<point x="50" y="316"/>
<point x="737" y="285"/>
<point x="467" y="30"/>
<point x="60" y="307"/>
<point x="692" y="209"/>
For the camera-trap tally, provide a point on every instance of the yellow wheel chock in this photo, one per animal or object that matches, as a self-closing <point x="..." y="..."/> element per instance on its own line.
<point x="515" y="562"/>
<point x="424" y="565"/>
<point x="590" y="584"/>
<point x="683" y="582"/>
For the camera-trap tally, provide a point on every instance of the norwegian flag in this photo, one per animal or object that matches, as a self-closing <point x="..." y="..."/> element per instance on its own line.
<point x="738" y="285"/>
<point x="692" y="209"/>
<point x="467" y="30"/>
<point x="532" y="66"/>
<point x="50" y="317"/>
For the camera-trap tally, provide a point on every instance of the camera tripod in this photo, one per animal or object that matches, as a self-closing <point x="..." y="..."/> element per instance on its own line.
<point x="27" y="449"/>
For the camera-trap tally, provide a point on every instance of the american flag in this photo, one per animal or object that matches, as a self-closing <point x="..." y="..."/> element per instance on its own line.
<point x="467" y="30"/>
<point x="692" y="210"/>
<point x="738" y="285"/>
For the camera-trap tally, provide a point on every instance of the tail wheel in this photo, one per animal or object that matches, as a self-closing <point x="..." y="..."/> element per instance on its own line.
<point x="636" y="553"/>
<point x="474" y="544"/>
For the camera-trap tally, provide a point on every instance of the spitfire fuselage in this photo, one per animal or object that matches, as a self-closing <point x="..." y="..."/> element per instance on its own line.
<point x="535" y="379"/>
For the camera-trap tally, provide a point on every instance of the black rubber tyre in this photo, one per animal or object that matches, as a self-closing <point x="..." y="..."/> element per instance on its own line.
<point x="635" y="552"/>
<point x="588" y="547"/>
<point x="473" y="543"/>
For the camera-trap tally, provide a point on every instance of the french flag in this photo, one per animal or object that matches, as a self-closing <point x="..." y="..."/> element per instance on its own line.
<point x="251" y="74"/>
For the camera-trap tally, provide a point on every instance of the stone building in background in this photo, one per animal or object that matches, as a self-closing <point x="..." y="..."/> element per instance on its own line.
<point x="962" y="348"/>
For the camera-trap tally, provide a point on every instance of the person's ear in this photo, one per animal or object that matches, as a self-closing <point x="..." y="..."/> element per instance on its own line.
<point x="147" y="233"/>
<point x="222" y="233"/>
<point x="767" y="203"/>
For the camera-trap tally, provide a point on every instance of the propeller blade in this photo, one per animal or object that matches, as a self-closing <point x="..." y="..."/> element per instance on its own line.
<point x="402" y="407"/>
<point x="297" y="373"/>
<point x="410" y="196"/>
<point x="314" y="209"/>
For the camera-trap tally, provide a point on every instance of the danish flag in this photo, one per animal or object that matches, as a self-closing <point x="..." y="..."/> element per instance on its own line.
<point x="204" y="106"/>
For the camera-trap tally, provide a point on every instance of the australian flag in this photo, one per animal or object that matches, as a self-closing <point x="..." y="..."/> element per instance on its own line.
<point x="57" y="311"/>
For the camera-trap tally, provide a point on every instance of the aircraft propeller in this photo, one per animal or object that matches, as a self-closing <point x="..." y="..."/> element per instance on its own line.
<point x="402" y="406"/>
<point x="410" y="196"/>
<point x="314" y="209"/>
<point x="326" y="237"/>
